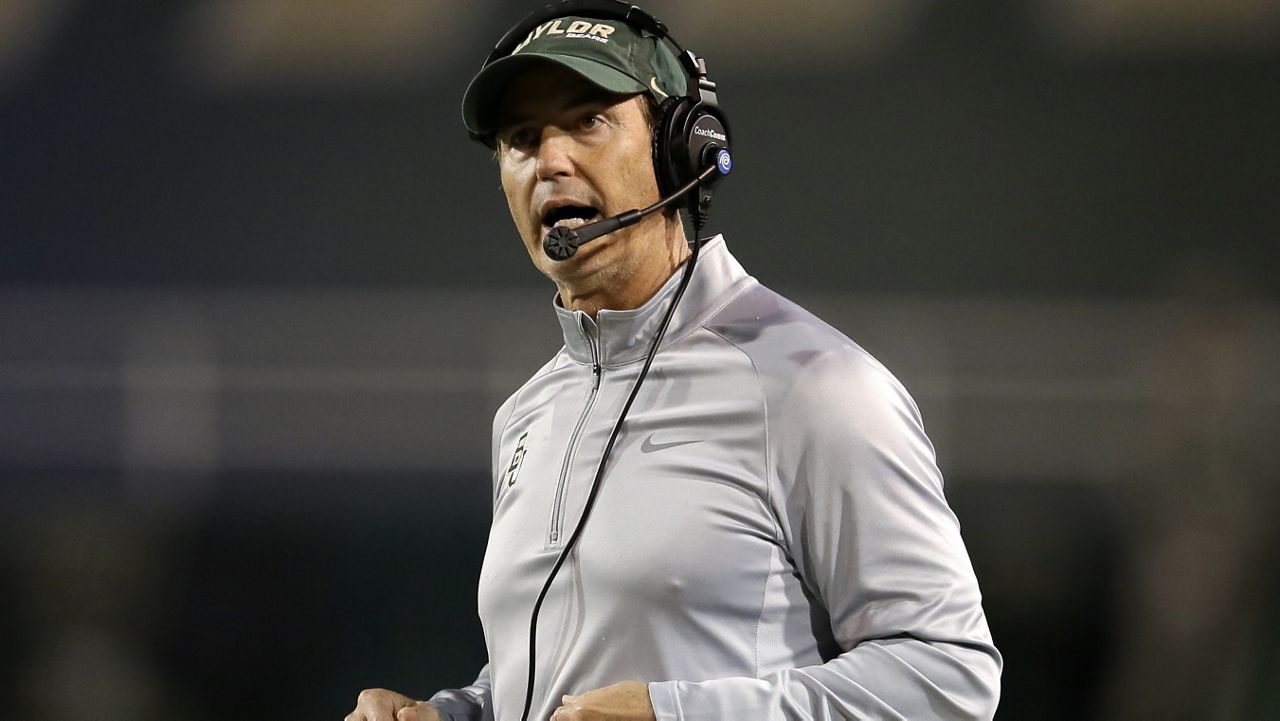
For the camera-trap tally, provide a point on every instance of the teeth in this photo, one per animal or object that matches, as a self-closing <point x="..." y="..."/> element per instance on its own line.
<point x="570" y="223"/>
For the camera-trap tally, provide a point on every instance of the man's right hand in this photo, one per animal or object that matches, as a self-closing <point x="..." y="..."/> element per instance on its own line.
<point x="379" y="704"/>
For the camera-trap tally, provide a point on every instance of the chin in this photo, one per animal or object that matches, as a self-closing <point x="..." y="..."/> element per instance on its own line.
<point x="590" y="259"/>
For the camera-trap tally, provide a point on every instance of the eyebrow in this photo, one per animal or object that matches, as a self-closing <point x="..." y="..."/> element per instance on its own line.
<point x="591" y="96"/>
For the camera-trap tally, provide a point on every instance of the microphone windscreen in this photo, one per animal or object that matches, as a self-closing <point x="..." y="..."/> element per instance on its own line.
<point x="560" y="243"/>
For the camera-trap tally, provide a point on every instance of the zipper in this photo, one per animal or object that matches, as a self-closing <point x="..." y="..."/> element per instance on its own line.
<point x="558" y="508"/>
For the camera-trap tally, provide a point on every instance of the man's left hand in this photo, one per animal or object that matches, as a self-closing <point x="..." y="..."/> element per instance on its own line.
<point x="626" y="701"/>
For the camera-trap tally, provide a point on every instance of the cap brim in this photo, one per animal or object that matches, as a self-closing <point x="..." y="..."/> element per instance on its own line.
<point x="483" y="100"/>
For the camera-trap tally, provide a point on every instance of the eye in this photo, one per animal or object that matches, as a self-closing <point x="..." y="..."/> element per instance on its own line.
<point x="591" y="121"/>
<point x="523" y="136"/>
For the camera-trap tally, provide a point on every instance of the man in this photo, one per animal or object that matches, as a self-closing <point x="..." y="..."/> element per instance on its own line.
<point x="771" y="539"/>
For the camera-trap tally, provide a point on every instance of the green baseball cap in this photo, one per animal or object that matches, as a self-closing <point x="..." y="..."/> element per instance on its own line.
<point x="608" y="53"/>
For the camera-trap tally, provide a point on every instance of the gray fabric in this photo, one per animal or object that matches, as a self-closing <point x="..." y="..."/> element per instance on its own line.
<point x="771" y="541"/>
<point x="466" y="704"/>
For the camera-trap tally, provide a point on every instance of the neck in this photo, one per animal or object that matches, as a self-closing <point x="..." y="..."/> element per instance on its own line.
<point x="627" y="286"/>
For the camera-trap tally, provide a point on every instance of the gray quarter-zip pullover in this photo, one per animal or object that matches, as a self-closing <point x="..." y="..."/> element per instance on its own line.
<point x="771" y="540"/>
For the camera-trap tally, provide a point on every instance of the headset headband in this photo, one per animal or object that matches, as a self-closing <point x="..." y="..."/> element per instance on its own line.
<point x="698" y="87"/>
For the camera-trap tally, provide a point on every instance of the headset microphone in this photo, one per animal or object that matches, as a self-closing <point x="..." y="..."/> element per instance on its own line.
<point x="561" y="242"/>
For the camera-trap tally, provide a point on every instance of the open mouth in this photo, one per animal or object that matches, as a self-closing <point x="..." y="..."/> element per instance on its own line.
<point x="570" y="216"/>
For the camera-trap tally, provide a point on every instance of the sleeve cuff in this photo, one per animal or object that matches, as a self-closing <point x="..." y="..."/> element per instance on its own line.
<point x="662" y="695"/>
<point x="455" y="705"/>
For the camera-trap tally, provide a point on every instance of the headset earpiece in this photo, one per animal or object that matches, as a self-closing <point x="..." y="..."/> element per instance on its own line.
<point x="685" y="143"/>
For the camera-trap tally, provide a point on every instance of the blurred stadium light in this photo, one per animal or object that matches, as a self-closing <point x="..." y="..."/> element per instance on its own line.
<point x="27" y="28"/>
<point x="789" y="36"/>
<point x="1137" y="27"/>
<point x="320" y="43"/>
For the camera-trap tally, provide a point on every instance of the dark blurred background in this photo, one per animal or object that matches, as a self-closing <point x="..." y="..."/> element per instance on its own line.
<point x="260" y="298"/>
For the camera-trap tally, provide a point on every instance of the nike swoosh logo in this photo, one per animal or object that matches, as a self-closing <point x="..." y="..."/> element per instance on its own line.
<point x="653" y="83"/>
<point x="649" y="446"/>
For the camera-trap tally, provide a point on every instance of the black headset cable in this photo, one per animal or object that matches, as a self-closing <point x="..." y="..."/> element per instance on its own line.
<point x="699" y="217"/>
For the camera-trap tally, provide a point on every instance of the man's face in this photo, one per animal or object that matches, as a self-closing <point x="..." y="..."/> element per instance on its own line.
<point x="571" y="153"/>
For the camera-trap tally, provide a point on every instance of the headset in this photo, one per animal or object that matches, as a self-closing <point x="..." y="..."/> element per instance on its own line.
<point x="690" y="130"/>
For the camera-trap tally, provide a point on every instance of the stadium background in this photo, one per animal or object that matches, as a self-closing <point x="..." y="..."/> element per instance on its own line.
<point x="260" y="298"/>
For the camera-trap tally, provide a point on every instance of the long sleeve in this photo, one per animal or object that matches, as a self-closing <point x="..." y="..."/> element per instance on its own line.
<point x="471" y="703"/>
<point x="860" y="507"/>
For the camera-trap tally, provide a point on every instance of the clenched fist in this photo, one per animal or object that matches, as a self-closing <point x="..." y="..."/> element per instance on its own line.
<point x="379" y="704"/>
<point x="626" y="701"/>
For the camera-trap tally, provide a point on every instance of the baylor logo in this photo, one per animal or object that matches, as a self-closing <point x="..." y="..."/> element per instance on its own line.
<point x="577" y="29"/>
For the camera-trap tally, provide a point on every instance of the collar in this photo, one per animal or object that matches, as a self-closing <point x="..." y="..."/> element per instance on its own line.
<point x="617" y="337"/>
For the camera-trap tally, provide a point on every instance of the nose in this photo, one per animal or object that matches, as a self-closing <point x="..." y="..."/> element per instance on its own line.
<point x="555" y="154"/>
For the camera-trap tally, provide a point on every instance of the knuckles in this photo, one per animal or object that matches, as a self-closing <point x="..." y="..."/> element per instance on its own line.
<point x="368" y="704"/>
<point x="371" y="694"/>
<point x="376" y="697"/>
